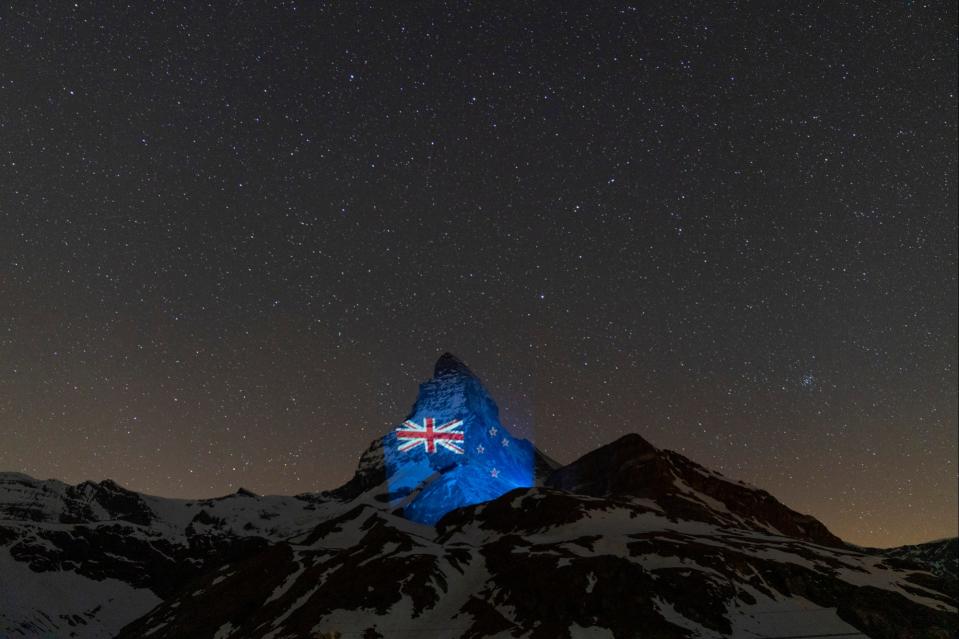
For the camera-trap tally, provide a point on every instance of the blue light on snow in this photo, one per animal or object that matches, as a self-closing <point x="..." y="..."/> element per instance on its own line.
<point x="493" y="462"/>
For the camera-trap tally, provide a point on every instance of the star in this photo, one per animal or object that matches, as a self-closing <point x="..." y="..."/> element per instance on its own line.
<point x="505" y="443"/>
<point x="494" y="473"/>
<point x="280" y="304"/>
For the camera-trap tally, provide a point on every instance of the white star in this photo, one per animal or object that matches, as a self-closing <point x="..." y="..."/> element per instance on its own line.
<point x="494" y="473"/>
<point x="505" y="442"/>
<point x="492" y="431"/>
<point x="480" y="449"/>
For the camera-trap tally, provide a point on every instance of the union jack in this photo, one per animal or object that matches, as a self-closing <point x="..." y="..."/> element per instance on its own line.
<point x="429" y="435"/>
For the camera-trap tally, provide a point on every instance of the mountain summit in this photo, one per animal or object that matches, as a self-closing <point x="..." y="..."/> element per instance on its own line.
<point x="449" y="363"/>
<point x="451" y="527"/>
<point x="452" y="450"/>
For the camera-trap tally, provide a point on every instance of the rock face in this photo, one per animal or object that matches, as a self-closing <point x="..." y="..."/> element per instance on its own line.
<point x="22" y="498"/>
<point x="544" y="563"/>
<point x="627" y="541"/>
<point x="941" y="558"/>
<point x="437" y="481"/>
<point x="632" y="467"/>
<point x="81" y="561"/>
<point x="423" y="485"/>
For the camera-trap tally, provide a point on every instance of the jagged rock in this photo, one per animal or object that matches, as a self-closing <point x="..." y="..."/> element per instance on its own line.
<point x="629" y="540"/>
<point x="632" y="467"/>
<point x="424" y="485"/>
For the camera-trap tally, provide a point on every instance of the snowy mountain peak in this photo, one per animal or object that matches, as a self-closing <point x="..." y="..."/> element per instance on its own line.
<point x="452" y="450"/>
<point x="629" y="540"/>
<point x="632" y="468"/>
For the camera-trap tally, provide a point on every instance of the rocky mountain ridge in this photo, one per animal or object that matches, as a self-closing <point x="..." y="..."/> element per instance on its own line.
<point x="627" y="541"/>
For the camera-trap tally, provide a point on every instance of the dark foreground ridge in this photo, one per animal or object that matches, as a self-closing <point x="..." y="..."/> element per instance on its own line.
<point x="628" y="541"/>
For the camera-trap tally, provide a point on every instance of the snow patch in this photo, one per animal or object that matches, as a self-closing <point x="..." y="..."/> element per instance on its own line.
<point x="281" y="590"/>
<point x="577" y="631"/>
<point x="42" y="601"/>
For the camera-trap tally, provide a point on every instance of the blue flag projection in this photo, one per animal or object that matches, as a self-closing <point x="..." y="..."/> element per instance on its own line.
<point x="430" y="436"/>
<point x="452" y="450"/>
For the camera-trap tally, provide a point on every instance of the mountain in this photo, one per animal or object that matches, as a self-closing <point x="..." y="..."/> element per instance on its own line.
<point x="938" y="557"/>
<point x="83" y="560"/>
<point x="632" y="467"/>
<point x="628" y="541"/>
<point x="430" y="478"/>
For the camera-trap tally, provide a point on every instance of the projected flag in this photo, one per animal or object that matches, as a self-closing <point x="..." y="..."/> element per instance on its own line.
<point x="449" y="435"/>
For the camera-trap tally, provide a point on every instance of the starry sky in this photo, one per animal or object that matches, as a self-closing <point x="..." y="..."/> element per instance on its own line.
<point x="234" y="237"/>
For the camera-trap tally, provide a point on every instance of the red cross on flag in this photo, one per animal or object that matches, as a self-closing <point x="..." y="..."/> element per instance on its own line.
<point x="412" y="435"/>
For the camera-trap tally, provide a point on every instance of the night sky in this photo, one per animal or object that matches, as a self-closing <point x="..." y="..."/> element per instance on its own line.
<point x="235" y="237"/>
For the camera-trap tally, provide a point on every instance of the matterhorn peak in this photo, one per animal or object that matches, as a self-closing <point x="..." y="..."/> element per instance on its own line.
<point x="449" y="364"/>
<point x="452" y="450"/>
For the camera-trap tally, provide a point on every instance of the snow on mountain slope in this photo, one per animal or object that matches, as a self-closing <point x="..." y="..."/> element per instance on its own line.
<point x="627" y="541"/>
<point x="633" y="467"/>
<point x="82" y="561"/>
<point x="539" y="562"/>
<point x="25" y="499"/>
<point x="940" y="557"/>
<point x="64" y="603"/>
<point x="101" y="531"/>
<point x="486" y="461"/>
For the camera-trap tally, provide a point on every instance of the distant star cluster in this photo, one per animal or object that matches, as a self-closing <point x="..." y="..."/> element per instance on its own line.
<point x="234" y="237"/>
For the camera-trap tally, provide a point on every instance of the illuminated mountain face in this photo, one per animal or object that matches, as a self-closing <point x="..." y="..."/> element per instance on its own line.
<point x="452" y="450"/>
